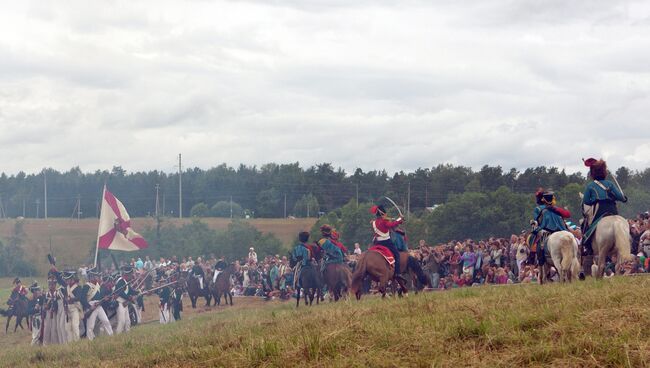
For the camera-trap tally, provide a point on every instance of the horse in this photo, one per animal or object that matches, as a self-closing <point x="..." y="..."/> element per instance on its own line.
<point x="612" y="238"/>
<point x="223" y="286"/>
<point x="18" y="310"/>
<point x="194" y="290"/>
<point x="374" y="265"/>
<point x="563" y="254"/>
<point x="338" y="278"/>
<point x="310" y="281"/>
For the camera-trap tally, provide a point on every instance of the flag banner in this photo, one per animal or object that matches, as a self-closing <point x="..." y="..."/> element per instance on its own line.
<point x="115" y="232"/>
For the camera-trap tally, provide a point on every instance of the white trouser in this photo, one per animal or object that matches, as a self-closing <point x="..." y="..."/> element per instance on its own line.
<point x="50" y="325"/>
<point x="214" y="278"/>
<point x="123" y="320"/>
<point x="98" y="313"/>
<point x="201" y="282"/>
<point x="61" y="317"/>
<point x="165" y="315"/>
<point x="72" y="324"/>
<point x="36" y="329"/>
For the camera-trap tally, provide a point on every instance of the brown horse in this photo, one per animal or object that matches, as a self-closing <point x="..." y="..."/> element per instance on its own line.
<point x="375" y="266"/>
<point x="223" y="286"/>
<point x="194" y="290"/>
<point x="338" y="278"/>
<point x="18" y="309"/>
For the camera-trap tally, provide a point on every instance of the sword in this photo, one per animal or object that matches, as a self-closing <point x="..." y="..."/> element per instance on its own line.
<point x="396" y="206"/>
<point x="616" y="182"/>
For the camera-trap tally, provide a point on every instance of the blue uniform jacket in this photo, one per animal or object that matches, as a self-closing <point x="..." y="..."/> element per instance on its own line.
<point x="333" y="253"/>
<point x="549" y="220"/>
<point x="594" y="193"/>
<point x="302" y="254"/>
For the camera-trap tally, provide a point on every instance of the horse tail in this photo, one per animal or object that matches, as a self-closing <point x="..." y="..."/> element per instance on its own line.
<point x="413" y="265"/>
<point x="622" y="240"/>
<point x="358" y="275"/>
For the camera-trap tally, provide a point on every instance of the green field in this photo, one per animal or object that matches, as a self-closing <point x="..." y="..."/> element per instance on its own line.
<point x="592" y="323"/>
<point x="71" y="240"/>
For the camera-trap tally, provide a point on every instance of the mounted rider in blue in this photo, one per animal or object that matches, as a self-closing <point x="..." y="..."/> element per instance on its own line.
<point x="547" y="219"/>
<point x="301" y="257"/>
<point x="598" y="200"/>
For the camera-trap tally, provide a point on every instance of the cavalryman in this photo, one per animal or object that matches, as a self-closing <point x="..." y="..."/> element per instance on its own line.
<point x="19" y="291"/>
<point x="93" y="297"/>
<point x="301" y="257"/>
<point x="382" y="227"/>
<point x="125" y="296"/>
<point x="548" y="219"/>
<point x="197" y="271"/>
<point x="332" y="253"/>
<point x="600" y="198"/>
<point x="34" y="309"/>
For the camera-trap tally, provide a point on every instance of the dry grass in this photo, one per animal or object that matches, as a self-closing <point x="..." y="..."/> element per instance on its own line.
<point x="591" y="324"/>
<point x="72" y="240"/>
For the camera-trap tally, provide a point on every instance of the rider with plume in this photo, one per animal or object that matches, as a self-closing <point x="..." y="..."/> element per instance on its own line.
<point x="599" y="199"/>
<point x="548" y="218"/>
<point x="382" y="227"/>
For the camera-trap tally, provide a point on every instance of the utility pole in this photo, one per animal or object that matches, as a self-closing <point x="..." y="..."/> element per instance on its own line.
<point x="157" y="201"/>
<point x="38" y="207"/>
<point x="77" y="209"/>
<point x="357" y="187"/>
<point x="308" y="203"/>
<point x="180" y="188"/>
<point x="45" y="193"/>
<point x="23" y="207"/>
<point x="3" y="214"/>
<point x="408" y="203"/>
<point x="426" y="195"/>
<point x="231" y="207"/>
<point x="285" y="205"/>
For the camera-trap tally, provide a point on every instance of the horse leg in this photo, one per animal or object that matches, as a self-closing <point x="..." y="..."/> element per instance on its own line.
<point x="297" y="297"/>
<point x="7" y="325"/>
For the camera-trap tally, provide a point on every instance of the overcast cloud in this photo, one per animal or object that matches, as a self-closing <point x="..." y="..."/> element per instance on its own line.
<point x="370" y="84"/>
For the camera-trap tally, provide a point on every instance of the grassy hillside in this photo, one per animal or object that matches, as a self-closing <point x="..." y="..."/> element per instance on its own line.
<point x="71" y="239"/>
<point x="592" y="323"/>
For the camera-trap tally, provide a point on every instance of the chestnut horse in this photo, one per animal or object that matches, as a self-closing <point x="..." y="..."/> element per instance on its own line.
<point x="374" y="265"/>
<point x="18" y="309"/>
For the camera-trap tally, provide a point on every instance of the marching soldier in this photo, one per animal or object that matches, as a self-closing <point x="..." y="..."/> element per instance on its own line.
<point x="34" y="308"/>
<point x="73" y="295"/>
<point x="93" y="298"/>
<point x="165" y="295"/>
<point x="52" y="331"/>
<point x="177" y="299"/>
<point x="125" y="296"/>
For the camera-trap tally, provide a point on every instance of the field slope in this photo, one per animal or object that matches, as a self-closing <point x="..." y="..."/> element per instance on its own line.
<point x="73" y="240"/>
<point x="592" y="323"/>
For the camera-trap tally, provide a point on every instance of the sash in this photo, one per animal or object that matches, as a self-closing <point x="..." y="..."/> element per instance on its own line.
<point x="379" y="235"/>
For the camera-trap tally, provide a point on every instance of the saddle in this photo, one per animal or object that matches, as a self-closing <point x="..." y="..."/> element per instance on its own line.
<point x="385" y="252"/>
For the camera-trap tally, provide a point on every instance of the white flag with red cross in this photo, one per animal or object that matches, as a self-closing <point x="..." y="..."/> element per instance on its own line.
<point x="115" y="232"/>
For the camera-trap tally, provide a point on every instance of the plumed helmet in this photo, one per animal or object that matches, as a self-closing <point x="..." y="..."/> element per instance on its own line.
<point x="378" y="210"/>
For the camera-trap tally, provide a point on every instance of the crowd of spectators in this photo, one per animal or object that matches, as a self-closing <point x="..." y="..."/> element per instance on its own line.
<point x="493" y="261"/>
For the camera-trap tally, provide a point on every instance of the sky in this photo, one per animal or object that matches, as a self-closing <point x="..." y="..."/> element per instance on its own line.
<point x="371" y="84"/>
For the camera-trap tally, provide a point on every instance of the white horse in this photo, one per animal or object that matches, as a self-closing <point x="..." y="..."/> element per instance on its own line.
<point x="563" y="254"/>
<point x="612" y="239"/>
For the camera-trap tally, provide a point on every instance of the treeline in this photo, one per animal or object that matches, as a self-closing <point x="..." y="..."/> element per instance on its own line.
<point x="274" y="190"/>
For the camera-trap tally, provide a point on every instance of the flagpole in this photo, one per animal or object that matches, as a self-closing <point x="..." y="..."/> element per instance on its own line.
<point x="98" y="226"/>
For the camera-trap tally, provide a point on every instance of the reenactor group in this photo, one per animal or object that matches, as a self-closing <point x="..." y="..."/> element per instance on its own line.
<point x="105" y="304"/>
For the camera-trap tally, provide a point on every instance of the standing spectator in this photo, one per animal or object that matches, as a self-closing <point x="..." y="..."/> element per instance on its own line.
<point x="148" y="265"/>
<point x="252" y="256"/>
<point x="522" y="255"/>
<point x="495" y="254"/>
<point x="357" y="248"/>
<point x="469" y="260"/>
<point x="434" y="260"/>
<point x="139" y="264"/>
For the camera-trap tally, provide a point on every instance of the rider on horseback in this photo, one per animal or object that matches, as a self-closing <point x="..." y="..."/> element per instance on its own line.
<point x="547" y="219"/>
<point x="197" y="272"/>
<point x="333" y="254"/>
<point x="382" y="227"/>
<point x="600" y="197"/>
<point x="19" y="290"/>
<point x="301" y="257"/>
